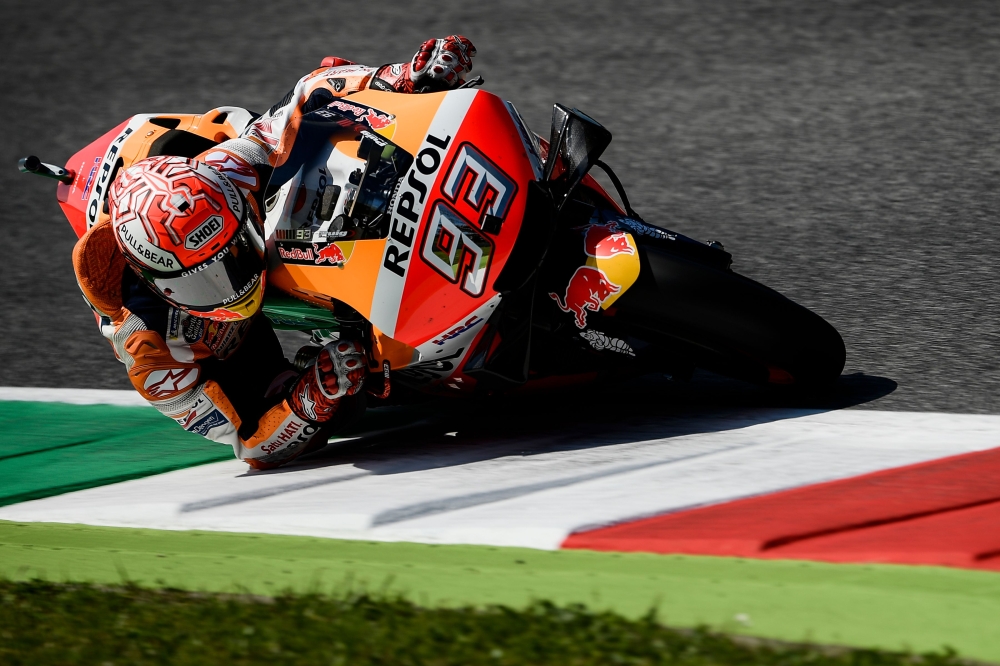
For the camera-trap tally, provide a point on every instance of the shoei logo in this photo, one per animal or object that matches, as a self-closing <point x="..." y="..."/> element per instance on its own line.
<point x="205" y="232"/>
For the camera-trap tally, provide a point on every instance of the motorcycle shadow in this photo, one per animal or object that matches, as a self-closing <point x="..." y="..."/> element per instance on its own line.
<point x="447" y="432"/>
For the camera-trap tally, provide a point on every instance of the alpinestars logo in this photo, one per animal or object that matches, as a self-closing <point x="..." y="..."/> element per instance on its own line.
<point x="163" y="382"/>
<point x="308" y="404"/>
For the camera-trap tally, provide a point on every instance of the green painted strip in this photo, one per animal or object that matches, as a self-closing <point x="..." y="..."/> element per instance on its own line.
<point x="922" y="608"/>
<point x="51" y="448"/>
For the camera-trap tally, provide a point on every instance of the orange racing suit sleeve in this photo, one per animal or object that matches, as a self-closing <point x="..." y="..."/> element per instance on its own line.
<point x="226" y="381"/>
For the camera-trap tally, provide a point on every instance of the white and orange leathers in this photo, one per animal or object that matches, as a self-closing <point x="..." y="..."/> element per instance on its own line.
<point x="225" y="380"/>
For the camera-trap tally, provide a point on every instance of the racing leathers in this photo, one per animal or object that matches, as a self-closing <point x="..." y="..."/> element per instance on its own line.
<point x="228" y="380"/>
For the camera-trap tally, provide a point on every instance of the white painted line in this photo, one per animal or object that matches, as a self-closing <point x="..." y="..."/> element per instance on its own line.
<point x="72" y="396"/>
<point x="526" y="492"/>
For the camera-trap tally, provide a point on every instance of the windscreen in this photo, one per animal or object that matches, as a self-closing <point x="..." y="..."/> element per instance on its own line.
<point x="385" y="165"/>
<point x="369" y="190"/>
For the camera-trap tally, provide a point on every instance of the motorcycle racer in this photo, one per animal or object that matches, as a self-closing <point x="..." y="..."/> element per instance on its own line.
<point x="177" y="275"/>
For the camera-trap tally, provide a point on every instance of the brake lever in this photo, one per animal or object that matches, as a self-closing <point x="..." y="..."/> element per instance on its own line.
<point x="471" y="83"/>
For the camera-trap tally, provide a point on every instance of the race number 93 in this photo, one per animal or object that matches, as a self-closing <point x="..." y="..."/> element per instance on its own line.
<point x="455" y="247"/>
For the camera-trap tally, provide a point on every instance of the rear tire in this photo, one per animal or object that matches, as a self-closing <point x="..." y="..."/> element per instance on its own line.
<point x="727" y="323"/>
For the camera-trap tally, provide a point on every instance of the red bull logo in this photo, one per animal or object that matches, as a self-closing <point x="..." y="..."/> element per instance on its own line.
<point x="329" y="253"/>
<point x="377" y="120"/>
<point x="587" y="289"/>
<point x="364" y="114"/>
<point x="605" y="241"/>
<point x="220" y="314"/>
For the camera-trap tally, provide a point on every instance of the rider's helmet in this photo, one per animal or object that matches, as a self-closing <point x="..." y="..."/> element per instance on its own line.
<point x="189" y="234"/>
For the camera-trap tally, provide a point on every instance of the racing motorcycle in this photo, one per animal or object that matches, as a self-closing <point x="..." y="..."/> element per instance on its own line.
<point x="475" y="255"/>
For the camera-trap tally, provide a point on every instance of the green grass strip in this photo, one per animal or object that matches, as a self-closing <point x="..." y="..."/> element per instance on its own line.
<point x="884" y="606"/>
<point x="45" y="623"/>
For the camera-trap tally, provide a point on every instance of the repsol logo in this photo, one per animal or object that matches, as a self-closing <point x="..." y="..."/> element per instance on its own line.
<point x="410" y="204"/>
<point x="205" y="232"/>
<point x="102" y="178"/>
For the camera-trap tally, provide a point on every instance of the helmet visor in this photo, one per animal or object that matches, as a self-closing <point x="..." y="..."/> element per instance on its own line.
<point x="225" y="278"/>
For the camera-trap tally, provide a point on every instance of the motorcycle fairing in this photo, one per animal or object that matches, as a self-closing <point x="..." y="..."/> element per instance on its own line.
<point x="96" y="165"/>
<point x="455" y="216"/>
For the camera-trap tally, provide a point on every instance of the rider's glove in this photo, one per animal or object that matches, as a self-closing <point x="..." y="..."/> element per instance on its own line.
<point x="339" y="371"/>
<point x="440" y="63"/>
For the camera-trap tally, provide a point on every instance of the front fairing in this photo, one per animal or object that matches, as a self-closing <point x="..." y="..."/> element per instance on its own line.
<point x="426" y="285"/>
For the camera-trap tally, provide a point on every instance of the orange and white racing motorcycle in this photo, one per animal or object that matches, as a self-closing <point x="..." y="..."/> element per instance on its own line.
<point x="474" y="255"/>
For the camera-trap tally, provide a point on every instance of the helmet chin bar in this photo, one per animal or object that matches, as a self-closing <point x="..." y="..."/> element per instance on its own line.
<point x="244" y="308"/>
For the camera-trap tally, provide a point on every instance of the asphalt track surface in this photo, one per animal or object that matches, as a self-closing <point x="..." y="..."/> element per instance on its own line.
<point x="845" y="153"/>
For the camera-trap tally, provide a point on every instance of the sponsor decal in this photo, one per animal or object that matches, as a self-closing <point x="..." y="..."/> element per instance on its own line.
<point x="244" y="290"/>
<point x="441" y="355"/>
<point x="605" y="241"/>
<point x="202" y="405"/>
<point x="295" y="255"/>
<point x="600" y="342"/>
<point x="454" y="246"/>
<point x="232" y="196"/>
<point x="375" y="119"/>
<point x="103" y="176"/>
<point x="90" y="178"/>
<point x="350" y="70"/>
<point x="224" y="337"/>
<point x="293" y="434"/>
<point x="416" y="192"/>
<point x="194" y="328"/>
<point x="203" y="233"/>
<point x="481" y="184"/>
<point x="380" y="84"/>
<point x="205" y="264"/>
<point x="586" y="290"/>
<point x="329" y="253"/>
<point x="307" y="234"/>
<point x="173" y="323"/>
<point x="145" y="251"/>
<point x="213" y="420"/>
<point x="162" y="382"/>
<point x="307" y="403"/>
<point x="456" y="249"/>
<point x="468" y="324"/>
<point x="410" y="205"/>
<point x="312" y="254"/>
<point x="337" y="83"/>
